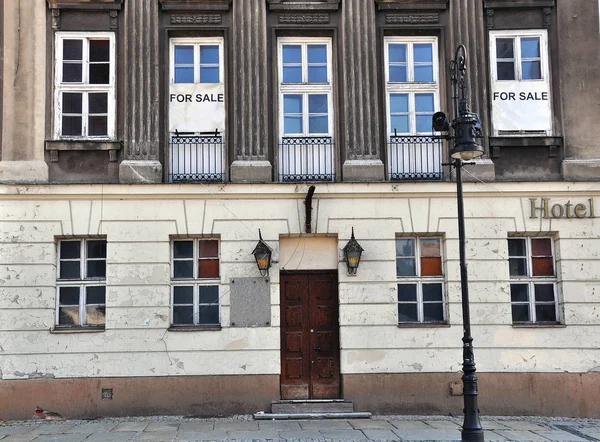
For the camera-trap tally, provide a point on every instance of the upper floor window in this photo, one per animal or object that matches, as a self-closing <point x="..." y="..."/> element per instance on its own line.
<point x="84" y="95"/>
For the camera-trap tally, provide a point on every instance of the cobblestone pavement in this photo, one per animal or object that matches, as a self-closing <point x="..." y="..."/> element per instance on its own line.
<point x="381" y="428"/>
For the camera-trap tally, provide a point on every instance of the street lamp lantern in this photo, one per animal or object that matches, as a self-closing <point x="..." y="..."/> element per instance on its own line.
<point x="262" y="253"/>
<point x="466" y="129"/>
<point x="352" y="253"/>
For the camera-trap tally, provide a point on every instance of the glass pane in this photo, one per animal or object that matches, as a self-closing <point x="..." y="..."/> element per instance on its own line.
<point x="97" y="126"/>
<point x="407" y="292"/>
<point x="292" y="104"/>
<point x="405" y="267"/>
<point x="208" y="294"/>
<point x="70" y="249"/>
<point x="209" y="54"/>
<point x="209" y="74"/>
<point x="69" y="296"/>
<point x="99" y="73"/>
<point x="183" y="315"/>
<point x="516" y="247"/>
<point x="292" y="54"/>
<point x="398" y="103"/>
<point x="407" y="313"/>
<point x="72" y="102"/>
<point x="519" y="293"/>
<point x="292" y="74"/>
<point x="95" y="295"/>
<point x="424" y="103"/>
<point x="397" y="53"/>
<point x="317" y="104"/>
<point x="541" y="247"/>
<point x="208" y="248"/>
<point x="68" y="315"/>
<point x="505" y="48"/>
<point x="530" y="47"/>
<point x="184" y="74"/>
<point x="544" y="292"/>
<point x="398" y="73"/>
<point x="183" y="295"/>
<point x="208" y="268"/>
<point x="183" y="269"/>
<point x="318" y="125"/>
<point x="405" y="247"/>
<point x="72" y="49"/>
<point x="542" y="267"/>
<point x="96" y="269"/>
<point x="98" y="103"/>
<point x="317" y="74"/>
<point x="209" y="314"/>
<point x="430" y="247"/>
<point x="520" y="313"/>
<point x="431" y="266"/>
<point x="71" y="126"/>
<point x="432" y="292"/>
<point x="183" y="249"/>
<point x="292" y="125"/>
<point x="69" y="270"/>
<point x="99" y="50"/>
<point x="72" y="73"/>
<point x="317" y="53"/>
<point x="424" y="72"/>
<point x="399" y="123"/>
<point x="433" y="312"/>
<point x="423" y="53"/>
<point x="506" y="70"/>
<point x="545" y="313"/>
<point x="532" y="70"/>
<point x="95" y="314"/>
<point x="184" y="55"/>
<point x="424" y="123"/>
<point x="517" y="266"/>
<point x="96" y="249"/>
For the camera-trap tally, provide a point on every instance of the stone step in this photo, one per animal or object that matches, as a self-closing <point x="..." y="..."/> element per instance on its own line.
<point x="312" y="406"/>
<point x="283" y="416"/>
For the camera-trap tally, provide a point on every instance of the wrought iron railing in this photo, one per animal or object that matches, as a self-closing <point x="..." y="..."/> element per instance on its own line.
<point x="414" y="158"/>
<point x="306" y="159"/>
<point x="196" y="159"/>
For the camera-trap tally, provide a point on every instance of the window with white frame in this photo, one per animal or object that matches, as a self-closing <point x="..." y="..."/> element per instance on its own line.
<point x="81" y="283"/>
<point x="421" y="296"/>
<point x="195" y="282"/>
<point x="520" y="80"/>
<point x="84" y="93"/>
<point x="533" y="283"/>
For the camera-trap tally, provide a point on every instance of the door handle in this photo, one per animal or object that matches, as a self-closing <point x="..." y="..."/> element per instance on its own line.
<point x="316" y="348"/>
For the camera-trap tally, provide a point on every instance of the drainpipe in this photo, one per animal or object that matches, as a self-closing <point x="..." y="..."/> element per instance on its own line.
<point x="308" y="207"/>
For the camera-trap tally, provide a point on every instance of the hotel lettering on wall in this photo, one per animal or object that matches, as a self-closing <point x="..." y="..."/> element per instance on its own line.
<point x="543" y="208"/>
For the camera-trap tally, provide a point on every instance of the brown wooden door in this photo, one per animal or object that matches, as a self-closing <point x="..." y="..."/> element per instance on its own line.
<point x="310" y="350"/>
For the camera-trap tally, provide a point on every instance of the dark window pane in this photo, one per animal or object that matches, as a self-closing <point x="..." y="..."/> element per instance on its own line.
<point x="544" y="292"/>
<point x="99" y="50"/>
<point x="208" y="294"/>
<point x="405" y="267"/>
<point x="209" y="54"/>
<point x="424" y="123"/>
<point x="505" y="48"/>
<point x="95" y="295"/>
<point x="545" y="313"/>
<point x="208" y="268"/>
<point x="317" y="74"/>
<point x="542" y="267"/>
<point x="71" y="126"/>
<point x="317" y="104"/>
<point x="432" y="292"/>
<point x="96" y="249"/>
<point x="183" y="315"/>
<point x="292" y="74"/>
<point x="68" y="316"/>
<point x="183" y="269"/>
<point x="407" y="313"/>
<point x="397" y="53"/>
<point x="532" y="70"/>
<point x="530" y="47"/>
<point x="69" y="296"/>
<point x="209" y="314"/>
<point x="98" y="103"/>
<point x="292" y="53"/>
<point x="516" y="247"/>
<point x="431" y="266"/>
<point x="317" y="53"/>
<point x="423" y="52"/>
<point x="99" y="73"/>
<point x="183" y="295"/>
<point x="72" y="49"/>
<point x="407" y="292"/>
<point x="399" y="123"/>
<point x="209" y="74"/>
<point x="405" y="247"/>
<point x="541" y="247"/>
<point x="292" y="125"/>
<point x="183" y="249"/>
<point x="520" y="313"/>
<point x="70" y="249"/>
<point x="424" y="73"/>
<point x="96" y="269"/>
<point x="519" y="293"/>
<point x="95" y="315"/>
<point x="433" y="312"/>
<point x="398" y="73"/>
<point x="97" y="126"/>
<point x="69" y="270"/>
<point x="184" y="74"/>
<point x="506" y="70"/>
<point x="184" y="55"/>
<point x="517" y="266"/>
<point x="72" y="73"/>
<point x="208" y="249"/>
<point x="72" y="102"/>
<point x="318" y="125"/>
<point x="424" y="103"/>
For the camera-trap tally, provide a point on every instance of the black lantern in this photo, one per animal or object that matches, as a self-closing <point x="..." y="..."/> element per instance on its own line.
<point x="352" y="253"/>
<point x="262" y="254"/>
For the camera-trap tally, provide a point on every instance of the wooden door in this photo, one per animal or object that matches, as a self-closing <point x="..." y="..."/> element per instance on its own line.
<point x="310" y="350"/>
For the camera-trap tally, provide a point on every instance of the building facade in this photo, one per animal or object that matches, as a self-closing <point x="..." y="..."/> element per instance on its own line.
<point x="146" y="143"/>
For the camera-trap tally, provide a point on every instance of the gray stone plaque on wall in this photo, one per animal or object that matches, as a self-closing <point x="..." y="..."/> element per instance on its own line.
<point x="250" y="300"/>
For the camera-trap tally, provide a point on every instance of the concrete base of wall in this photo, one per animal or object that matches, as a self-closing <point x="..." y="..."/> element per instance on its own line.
<point x="23" y="171"/>
<point x="140" y="172"/>
<point x="581" y="170"/>
<point x="251" y="172"/>
<point x="175" y="395"/>
<point x="363" y="170"/>
<point x="482" y="170"/>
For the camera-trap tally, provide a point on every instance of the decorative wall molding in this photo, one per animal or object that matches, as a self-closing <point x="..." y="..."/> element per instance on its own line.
<point x="195" y="5"/>
<point x="547" y="17"/>
<point x="303" y="5"/>
<point x="307" y="18"/>
<point x="494" y="4"/>
<point x="85" y="4"/>
<point x="383" y="5"/>
<point x="415" y="18"/>
<point x="196" y="19"/>
<point x="490" y="14"/>
<point x="114" y="23"/>
<point x="56" y="19"/>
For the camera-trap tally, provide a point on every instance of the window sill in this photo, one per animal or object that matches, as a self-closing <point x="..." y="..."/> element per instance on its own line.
<point x="423" y="325"/>
<point x="86" y="329"/>
<point x="194" y="328"/>
<point x="539" y="325"/>
<point x="54" y="146"/>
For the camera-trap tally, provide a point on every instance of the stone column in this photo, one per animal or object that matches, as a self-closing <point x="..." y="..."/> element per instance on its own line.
<point x="24" y="88"/>
<point x="142" y="140"/>
<point x="250" y="91"/>
<point x="360" y="94"/>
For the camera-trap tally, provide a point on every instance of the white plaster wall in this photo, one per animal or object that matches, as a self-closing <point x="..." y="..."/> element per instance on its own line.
<point x="140" y="221"/>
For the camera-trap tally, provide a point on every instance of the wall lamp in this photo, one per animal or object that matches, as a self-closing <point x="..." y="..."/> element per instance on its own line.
<point x="262" y="253"/>
<point x="352" y="252"/>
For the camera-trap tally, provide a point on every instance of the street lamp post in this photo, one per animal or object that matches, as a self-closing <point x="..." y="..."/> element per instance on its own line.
<point x="466" y="128"/>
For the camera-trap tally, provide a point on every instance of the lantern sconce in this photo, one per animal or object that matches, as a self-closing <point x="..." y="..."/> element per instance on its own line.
<point x="352" y="252"/>
<point x="262" y="254"/>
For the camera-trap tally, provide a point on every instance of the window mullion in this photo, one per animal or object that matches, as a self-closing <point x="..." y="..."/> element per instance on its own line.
<point x="517" y="55"/>
<point x="305" y="114"/>
<point x="196" y="301"/>
<point x="532" y="301"/>
<point x="420" y="306"/>
<point x="82" y="301"/>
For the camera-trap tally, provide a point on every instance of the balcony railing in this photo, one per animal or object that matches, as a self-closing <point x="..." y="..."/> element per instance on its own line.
<point x="306" y="159"/>
<point x="414" y="158"/>
<point x="196" y="159"/>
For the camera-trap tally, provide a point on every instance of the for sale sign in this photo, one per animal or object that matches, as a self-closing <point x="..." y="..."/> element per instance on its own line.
<point x="197" y="107"/>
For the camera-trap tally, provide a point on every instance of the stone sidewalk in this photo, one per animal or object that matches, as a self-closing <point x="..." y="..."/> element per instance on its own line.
<point x="381" y="428"/>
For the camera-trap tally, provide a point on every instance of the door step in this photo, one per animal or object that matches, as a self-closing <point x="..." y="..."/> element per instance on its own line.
<point x="282" y="416"/>
<point x="312" y="409"/>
